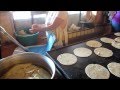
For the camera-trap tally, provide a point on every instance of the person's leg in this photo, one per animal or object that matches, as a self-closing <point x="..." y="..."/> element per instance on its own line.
<point x="59" y="35"/>
<point x="65" y="33"/>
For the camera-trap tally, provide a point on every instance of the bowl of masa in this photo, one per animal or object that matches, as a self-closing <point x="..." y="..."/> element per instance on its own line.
<point x="26" y="38"/>
<point x="27" y="65"/>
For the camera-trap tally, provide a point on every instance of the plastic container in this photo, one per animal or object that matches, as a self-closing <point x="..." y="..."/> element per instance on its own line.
<point x="28" y="39"/>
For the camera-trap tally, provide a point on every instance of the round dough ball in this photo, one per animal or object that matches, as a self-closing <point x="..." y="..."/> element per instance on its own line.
<point x="103" y="52"/>
<point x="82" y="52"/>
<point x="93" y="43"/>
<point x="67" y="59"/>
<point x="96" y="71"/>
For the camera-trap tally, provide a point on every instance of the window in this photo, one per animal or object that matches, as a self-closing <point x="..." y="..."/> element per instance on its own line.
<point x="73" y="12"/>
<point x="25" y="19"/>
<point x="39" y="16"/>
<point x="94" y="12"/>
<point x="21" y="15"/>
<point x="84" y="12"/>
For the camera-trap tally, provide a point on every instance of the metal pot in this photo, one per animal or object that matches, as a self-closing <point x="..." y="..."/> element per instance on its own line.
<point x="27" y="57"/>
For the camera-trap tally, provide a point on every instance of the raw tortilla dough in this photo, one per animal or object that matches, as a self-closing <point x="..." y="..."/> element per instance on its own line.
<point x="96" y="71"/>
<point x="93" y="43"/>
<point x="114" y="68"/>
<point x="82" y="52"/>
<point x="26" y="71"/>
<point x="116" y="45"/>
<point x="117" y="34"/>
<point x="103" y="52"/>
<point x="67" y="59"/>
<point x="106" y="40"/>
<point x="117" y="39"/>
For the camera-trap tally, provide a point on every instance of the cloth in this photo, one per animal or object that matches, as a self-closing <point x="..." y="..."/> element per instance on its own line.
<point x="114" y="17"/>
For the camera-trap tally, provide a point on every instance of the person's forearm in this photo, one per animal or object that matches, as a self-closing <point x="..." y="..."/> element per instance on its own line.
<point x="53" y="26"/>
<point x="50" y="27"/>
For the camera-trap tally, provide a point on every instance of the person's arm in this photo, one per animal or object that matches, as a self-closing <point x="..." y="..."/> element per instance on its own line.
<point x="43" y="27"/>
<point x="55" y="24"/>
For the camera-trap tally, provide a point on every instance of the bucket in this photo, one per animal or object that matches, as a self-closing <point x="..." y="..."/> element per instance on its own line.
<point x="27" y="39"/>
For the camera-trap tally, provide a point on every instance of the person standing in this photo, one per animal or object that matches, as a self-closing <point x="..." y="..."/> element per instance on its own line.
<point x="56" y="22"/>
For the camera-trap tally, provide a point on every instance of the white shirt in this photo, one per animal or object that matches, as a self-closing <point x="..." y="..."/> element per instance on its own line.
<point x="51" y="17"/>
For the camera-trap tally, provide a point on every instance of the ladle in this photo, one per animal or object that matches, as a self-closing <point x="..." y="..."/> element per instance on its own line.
<point x="12" y="39"/>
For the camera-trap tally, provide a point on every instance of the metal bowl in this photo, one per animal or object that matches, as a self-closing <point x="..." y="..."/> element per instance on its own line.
<point x="27" y="57"/>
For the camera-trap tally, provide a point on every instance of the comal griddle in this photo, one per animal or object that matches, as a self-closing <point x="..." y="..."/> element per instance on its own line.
<point x="77" y="71"/>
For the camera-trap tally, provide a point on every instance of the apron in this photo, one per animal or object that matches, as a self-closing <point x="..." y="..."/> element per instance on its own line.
<point x="61" y="34"/>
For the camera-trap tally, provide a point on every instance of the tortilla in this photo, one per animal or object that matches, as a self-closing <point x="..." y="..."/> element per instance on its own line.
<point x="106" y="40"/>
<point x="114" y="68"/>
<point x="96" y="71"/>
<point x="93" y="43"/>
<point x="116" y="45"/>
<point x="103" y="52"/>
<point x="117" y="39"/>
<point x="67" y="59"/>
<point x="117" y="34"/>
<point x="82" y="52"/>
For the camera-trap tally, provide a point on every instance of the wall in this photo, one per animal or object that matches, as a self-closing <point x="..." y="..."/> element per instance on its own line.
<point x="73" y="19"/>
<point x="21" y="24"/>
<point x="6" y="21"/>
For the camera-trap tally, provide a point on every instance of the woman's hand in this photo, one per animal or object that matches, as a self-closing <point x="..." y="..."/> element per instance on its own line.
<point x="37" y="28"/>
